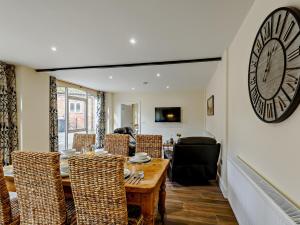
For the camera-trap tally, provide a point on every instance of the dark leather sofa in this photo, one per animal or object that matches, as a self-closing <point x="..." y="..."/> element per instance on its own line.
<point x="194" y="160"/>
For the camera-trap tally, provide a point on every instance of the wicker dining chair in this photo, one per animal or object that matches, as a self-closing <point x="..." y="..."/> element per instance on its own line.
<point x="117" y="144"/>
<point x="97" y="183"/>
<point x="83" y="140"/>
<point x="151" y="144"/>
<point x="9" y="207"/>
<point x="40" y="191"/>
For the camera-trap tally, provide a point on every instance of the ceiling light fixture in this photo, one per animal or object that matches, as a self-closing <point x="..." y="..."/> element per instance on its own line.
<point x="168" y="87"/>
<point x="133" y="88"/>
<point x="132" y="41"/>
<point x="158" y="75"/>
<point x="110" y="77"/>
<point x="54" y="49"/>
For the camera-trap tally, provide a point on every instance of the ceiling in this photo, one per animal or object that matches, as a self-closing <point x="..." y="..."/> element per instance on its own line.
<point x="97" y="32"/>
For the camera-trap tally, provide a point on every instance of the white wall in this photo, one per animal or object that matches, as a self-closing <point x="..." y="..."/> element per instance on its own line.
<point x="191" y="102"/>
<point x="217" y="124"/>
<point x="271" y="149"/>
<point x="33" y="109"/>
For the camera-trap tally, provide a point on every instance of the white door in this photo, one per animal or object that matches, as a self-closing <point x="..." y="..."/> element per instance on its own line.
<point x="126" y="116"/>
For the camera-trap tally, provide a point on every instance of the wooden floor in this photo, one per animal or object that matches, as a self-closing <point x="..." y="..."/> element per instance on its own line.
<point x="197" y="205"/>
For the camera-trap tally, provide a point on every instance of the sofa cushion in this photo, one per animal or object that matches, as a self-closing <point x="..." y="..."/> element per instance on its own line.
<point x="197" y="141"/>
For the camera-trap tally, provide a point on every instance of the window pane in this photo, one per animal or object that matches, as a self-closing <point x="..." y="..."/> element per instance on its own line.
<point x="78" y="107"/>
<point x="76" y="93"/>
<point x="70" y="138"/>
<point x="91" y="114"/>
<point x="61" y="112"/>
<point x="76" y="119"/>
<point x="72" y="107"/>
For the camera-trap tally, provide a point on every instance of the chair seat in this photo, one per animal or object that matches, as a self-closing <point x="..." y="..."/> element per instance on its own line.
<point x="15" y="212"/>
<point x="71" y="212"/>
<point x="135" y="216"/>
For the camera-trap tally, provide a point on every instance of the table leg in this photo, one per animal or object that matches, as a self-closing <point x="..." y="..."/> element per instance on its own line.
<point x="162" y="199"/>
<point x="147" y="207"/>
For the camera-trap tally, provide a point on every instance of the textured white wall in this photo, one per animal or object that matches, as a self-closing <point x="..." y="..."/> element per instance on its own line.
<point x="271" y="149"/>
<point x="217" y="124"/>
<point x="192" y="104"/>
<point x="33" y="109"/>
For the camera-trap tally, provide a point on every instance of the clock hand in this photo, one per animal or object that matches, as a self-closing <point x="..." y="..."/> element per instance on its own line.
<point x="272" y="52"/>
<point x="267" y="66"/>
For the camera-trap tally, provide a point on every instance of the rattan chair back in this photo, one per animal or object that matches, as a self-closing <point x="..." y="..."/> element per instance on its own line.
<point x="5" y="207"/>
<point x="98" y="189"/>
<point x="117" y="144"/>
<point x="83" y="140"/>
<point x="39" y="188"/>
<point x="151" y="144"/>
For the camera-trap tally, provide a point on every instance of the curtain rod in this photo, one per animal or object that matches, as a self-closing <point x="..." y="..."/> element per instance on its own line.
<point x="171" y="62"/>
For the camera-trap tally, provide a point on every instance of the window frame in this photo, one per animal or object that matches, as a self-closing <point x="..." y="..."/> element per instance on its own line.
<point x="67" y="112"/>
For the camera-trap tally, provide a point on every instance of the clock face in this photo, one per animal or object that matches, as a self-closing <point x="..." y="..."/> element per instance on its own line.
<point x="274" y="68"/>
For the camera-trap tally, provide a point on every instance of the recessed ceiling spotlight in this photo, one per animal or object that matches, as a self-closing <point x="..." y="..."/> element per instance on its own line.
<point x="168" y="87"/>
<point x="133" y="88"/>
<point x="54" y="49"/>
<point x="110" y="77"/>
<point x="132" y="41"/>
<point x="158" y="75"/>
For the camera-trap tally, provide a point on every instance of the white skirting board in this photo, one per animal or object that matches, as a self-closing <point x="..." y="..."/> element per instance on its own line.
<point x="255" y="201"/>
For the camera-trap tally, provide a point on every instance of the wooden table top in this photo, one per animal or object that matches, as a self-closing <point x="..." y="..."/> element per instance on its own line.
<point x="153" y="172"/>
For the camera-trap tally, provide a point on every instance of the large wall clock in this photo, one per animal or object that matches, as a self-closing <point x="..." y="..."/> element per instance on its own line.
<point x="274" y="68"/>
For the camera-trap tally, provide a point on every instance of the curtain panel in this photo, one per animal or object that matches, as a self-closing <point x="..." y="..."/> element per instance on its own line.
<point x="101" y="120"/>
<point x="53" y="118"/>
<point x="8" y="112"/>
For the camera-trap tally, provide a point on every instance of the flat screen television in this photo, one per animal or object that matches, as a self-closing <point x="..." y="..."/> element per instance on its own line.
<point x="168" y="114"/>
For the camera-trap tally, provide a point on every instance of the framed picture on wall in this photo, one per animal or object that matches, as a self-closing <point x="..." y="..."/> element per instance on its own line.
<point x="210" y="106"/>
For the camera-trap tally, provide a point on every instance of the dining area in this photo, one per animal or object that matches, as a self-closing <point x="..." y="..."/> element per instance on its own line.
<point x="86" y="185"/>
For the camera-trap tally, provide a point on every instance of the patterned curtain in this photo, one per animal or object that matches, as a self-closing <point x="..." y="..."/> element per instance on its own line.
<point x="100" y="124"/>
<point x="8" y="112"/>
<point x="53" y="119"/>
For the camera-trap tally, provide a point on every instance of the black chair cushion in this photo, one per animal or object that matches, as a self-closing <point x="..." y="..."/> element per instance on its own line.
<point x="197" y="141"/>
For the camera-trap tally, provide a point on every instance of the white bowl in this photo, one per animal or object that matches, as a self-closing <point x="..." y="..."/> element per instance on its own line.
<point x="68" y="152"/>
<point x="141" y="155"/>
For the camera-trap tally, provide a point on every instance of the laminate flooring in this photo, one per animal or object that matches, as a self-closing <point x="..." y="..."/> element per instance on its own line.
<point x="197" y="205"/>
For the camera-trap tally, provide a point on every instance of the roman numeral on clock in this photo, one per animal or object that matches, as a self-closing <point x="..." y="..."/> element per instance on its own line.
<point x="259" y="46"/>
<point x="289" y="30"/>
<point x="282" y="104"/>
<point x="267" y="31"/>
<point x="254" y="63"/>
<point x="278" y="22"/>
<point x="260" y="106"/>
<point x="254" y="95"/>
<point x="294" y="54"/>
<point x="270" y="110"/>
<point x="253" y="80"/>
<point x="292" y="81"/>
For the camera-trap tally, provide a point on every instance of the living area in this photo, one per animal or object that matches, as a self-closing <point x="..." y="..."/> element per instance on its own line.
<point x="150" y="112"/>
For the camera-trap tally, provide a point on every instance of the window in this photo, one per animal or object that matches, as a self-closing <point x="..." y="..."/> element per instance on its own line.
<point x="80" y="116"/>
<point x="72" y="108"/>
<point x="78" y="107"/>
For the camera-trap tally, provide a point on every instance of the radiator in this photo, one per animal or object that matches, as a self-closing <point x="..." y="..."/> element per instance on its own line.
<point x="254" y="200"/>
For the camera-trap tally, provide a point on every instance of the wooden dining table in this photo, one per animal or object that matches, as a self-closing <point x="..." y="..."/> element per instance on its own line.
<point x="149" y="193"/>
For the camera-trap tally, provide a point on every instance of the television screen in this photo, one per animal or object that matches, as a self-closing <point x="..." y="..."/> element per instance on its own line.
<point x="167" y="114"/>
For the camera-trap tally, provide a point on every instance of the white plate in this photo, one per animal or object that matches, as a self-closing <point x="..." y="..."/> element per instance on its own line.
<point x="127" y="172"/>
<point x="8" y="171"/>
<point x="63" y="174"/>
<point x="137" y="160"/>
<point x="69" y="152"/>
<point x="101" y="151"/>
